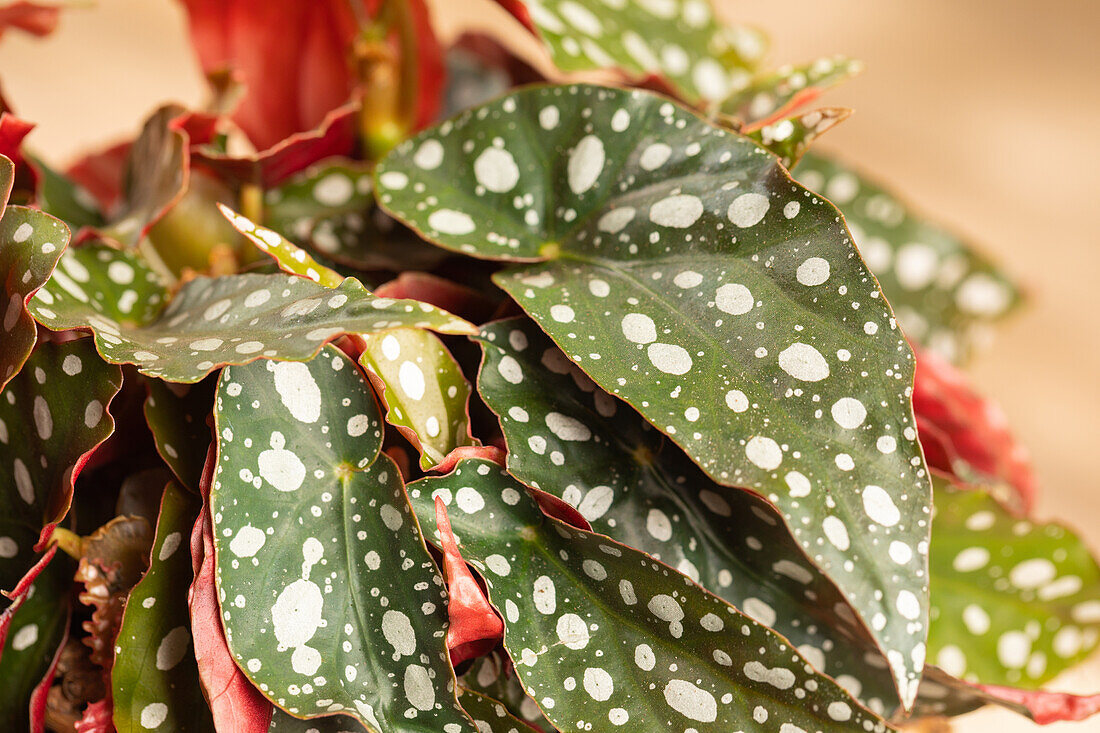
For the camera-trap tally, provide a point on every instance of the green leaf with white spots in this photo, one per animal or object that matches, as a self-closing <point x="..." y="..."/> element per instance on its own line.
<point x="488" y="678"/>
<point x="52" y="416"/>
<point x="212" y="322"/>
<point x="1014" y="602"/>
<point x="155" y="682"/>
<point x="777" y="93"/>
<point x="423" y="388"/>
<point x="603" y="636"/>
<point x="177" y="416"/>
<point x="30" y="244"/>
<point x="684" y="271"/>
<point x="679" y="41"/>
<point x="790" y="138"/>
<point x="491" y="716"/>
<point x="331" y="209"/>
<point x="572" y="439"/>
<point x="285" y="723"/>
<point x="37" y="630"/>
<point x="349" y="612"/>
<point x="945" y="291"/>
<point x="288" y="256"/>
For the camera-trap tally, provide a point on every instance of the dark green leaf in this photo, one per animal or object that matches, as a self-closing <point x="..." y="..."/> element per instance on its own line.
<point x="1014" y="602"/>
<point x="685" y="272"/>
<point x="212" y="322"/>
<point x="790" y="138"/>
<point x="30" y="244"/>
<point x="603" y="636"/>
<point x="944" y="290"/>
<point x="679" y="41"/>
<point x="38" y="628"/>
<point x="488" y="678"/>
<point x="154" y="678"/>
<point x="490" y="715"/>
<point x="775" y="94"/>
<point x="60" y="196"/>
<point x="331" y="209"/>
<point x="349" y="613"/>
<point x="177" y="416"/>
<point x="52" y="416"/>
<point x="570" y="438"/>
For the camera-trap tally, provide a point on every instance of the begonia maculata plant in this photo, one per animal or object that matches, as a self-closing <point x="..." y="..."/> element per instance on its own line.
<point x="411" y="385"/>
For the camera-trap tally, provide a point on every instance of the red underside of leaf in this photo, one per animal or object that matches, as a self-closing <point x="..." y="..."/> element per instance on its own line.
<point x="801" y="99"/>
<point x="1047" y="707"/>
<point x="234" y="703"/>
<point x="101" y="173"/>
<point x="42" y="689"/>
<point x="957" y="425"/>
<point x="561" y="510"/>
<point x="487" y="452"/>
<point x="445" y="294"/>
<point x="334" y="136"/>
<point x="474" y="626"/>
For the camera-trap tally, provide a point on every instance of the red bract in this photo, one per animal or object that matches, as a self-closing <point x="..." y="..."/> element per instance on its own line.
<point x="1046" y="707"/>
<point x="34" y="18"/>
<point x="295" y="59"/>
<point x="474" y="626"/>
<point x="234" y="703"/>
<point x="966" y="435"/>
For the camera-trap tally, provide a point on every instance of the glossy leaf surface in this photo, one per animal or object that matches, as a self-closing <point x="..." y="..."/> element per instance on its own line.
<point x="330" y="208"/>
<point x="1013" y="602"/>
<point x="212" y="321"/>
<point x="491" y="715"/>
<point x="30" y="244"/>
<point x="791" y="137"/>
<point x="36" y="631"/>
<point x="943" y="289"/>
<point x="568" y="437"/>
<point x="155" y="683"/>
<point x="683" y="271"/>
<point x="602" y="635"/>
<point x="52" y="416"/>
<point x="774" y="95"/>
<point x="178" y="417"/>
<point x="423" y="389"/>
<point x="302" y="490"/>
<point x="679" y="41"/>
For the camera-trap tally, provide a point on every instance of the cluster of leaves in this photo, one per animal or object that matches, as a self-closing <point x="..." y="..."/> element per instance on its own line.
<point x="584" y="409"/>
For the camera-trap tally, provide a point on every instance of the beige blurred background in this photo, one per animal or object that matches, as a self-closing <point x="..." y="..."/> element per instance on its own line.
<point x="983" y="112"/>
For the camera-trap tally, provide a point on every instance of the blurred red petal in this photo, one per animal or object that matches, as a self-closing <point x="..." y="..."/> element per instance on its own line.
<point x="34" y="18"/>
<point x="966" y="435"/>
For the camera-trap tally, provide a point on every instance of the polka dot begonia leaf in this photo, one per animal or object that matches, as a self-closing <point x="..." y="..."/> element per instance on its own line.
<point x="286" y="723"/>
<point x="423" y="388"/>
<point x="178" y="417"/>
<point x="330" y="208"/>
<point x="212" y="322"/>
<point x="680" y="267"/>
<point x="605" y="638"/>
<point x="60" y="196"/>
<point x="772" y="95"/>
<point x="36" y="630"/>
<point x="155" y="683"/>
<point x="30" y="244"/>
<point x="679" y="41"/>
<point x="791" y="137"/>
<point x="567" y="436"/>
<point x="53" y="415"/>
<point x="1014" y="602"/>
<point x="491" y="715"/>
<point x="945" y="292"/>
<point x="488" y="678"/>
<point x="349" y="614"/>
